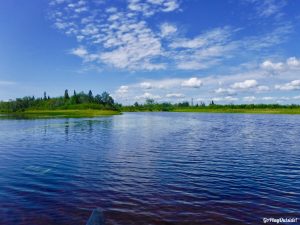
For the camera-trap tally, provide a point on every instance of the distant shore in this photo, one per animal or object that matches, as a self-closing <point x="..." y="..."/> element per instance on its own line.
<point x="223" y="110"/>
<point x="247" y="111"/>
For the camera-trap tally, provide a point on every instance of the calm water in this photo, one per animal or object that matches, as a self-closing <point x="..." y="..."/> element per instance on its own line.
<point x="150" y="168"/>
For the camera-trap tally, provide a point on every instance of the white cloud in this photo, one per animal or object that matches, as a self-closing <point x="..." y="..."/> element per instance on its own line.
<point x="167" y="29"/>
<point x="147" y="95"/>
<point x="293" y="85"/>
<point x="193" y="65"/>
<point x="193" y="82"/>
<point x="209" y="38"/>
<point x="268" y="8"/>
<point x="203" y="51"/>
<point x="84" y="54"/>
<point x="122" y="90"/>
<point x="226" y="91"/>
<point x="249" y="98"/>
<point x="121" y="36"/>
<point x="150" y="7"/>
<point x="261" y="42"/>
<point x="175" y="95"/>
<point x="80" y="52"/>
<point x="293" y="62"/>
<point x="262" y="88"/>
<point x="247" y="84"/>
<point x="170" y="5"/>
<point x="269" y="65"/>
<point x="160" y="84"/>
<point x="146" y="85"/>
<point x="268" y="98"/>
<point x="226" y="99"/>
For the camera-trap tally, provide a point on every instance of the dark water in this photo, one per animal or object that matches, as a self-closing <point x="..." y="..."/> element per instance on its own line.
<point x="150" y="168"/>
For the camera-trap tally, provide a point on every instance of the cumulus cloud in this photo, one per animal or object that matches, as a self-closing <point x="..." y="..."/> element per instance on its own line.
<point x="269" y="65"/>
<point x="160" y="84"/>
<point x="147" y="95"/>
<point x="293" y="62"/>
<point x="80" y="52"/>
<point x="167" y="29"/>
<point x="122" y="90"/>
<point x="146" y="85"/>
<point x="247" y="84"/>
<point x="193" y="82"/>
<point x="293" y="85"/>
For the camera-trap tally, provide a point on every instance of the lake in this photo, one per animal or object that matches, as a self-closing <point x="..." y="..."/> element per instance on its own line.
<point x="150" y="168"/>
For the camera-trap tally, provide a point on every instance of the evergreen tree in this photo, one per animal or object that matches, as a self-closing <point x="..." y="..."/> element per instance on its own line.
<point x="91" y="97"/>
<point x="107" y="99"/>
<point x="98" y="99"/>
<point x="67" y="94"/>
<point x="74" y="98"/>
<point x="45" y="95"/>
<point x="149" y="101"/>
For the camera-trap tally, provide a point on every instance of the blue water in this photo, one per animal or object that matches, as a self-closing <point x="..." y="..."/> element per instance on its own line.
<point x="150" y="168"/>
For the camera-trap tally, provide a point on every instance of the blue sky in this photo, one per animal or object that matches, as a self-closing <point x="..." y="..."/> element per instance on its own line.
<point x="169" y="50"/>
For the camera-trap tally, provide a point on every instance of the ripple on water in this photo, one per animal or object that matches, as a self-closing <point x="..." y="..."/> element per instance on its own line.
<point x="150" y="168"/>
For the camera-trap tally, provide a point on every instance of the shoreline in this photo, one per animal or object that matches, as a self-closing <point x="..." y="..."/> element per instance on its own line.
<point x="90" y="113"/>
<point x="243" y="111"/>
<point x="68" y="113"/>
<point x="229" y="111"/>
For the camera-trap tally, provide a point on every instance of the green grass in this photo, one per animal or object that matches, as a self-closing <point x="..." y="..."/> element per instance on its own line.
<point x="250" y="111"/>
<point x="68" y="113"/>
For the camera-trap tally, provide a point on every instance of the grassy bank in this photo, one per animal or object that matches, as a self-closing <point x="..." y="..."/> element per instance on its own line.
<point x="70" y="113"/>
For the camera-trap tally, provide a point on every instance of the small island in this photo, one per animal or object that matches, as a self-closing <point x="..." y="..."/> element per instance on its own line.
<point x="76" y="106"/>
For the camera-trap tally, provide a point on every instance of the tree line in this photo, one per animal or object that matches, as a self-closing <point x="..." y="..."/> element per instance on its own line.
<point x="151" y="105"/>
<point x="79" y="100"/>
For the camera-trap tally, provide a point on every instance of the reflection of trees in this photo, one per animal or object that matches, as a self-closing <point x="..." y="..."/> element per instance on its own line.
<point x="84" y="126"/>
<point x="67" y="129"/>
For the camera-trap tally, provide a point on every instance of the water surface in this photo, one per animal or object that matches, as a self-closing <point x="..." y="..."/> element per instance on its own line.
<point x="150" y="168"/>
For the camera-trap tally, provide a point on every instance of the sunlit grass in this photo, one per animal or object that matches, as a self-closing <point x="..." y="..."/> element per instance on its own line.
<point x="64" y="113"/>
